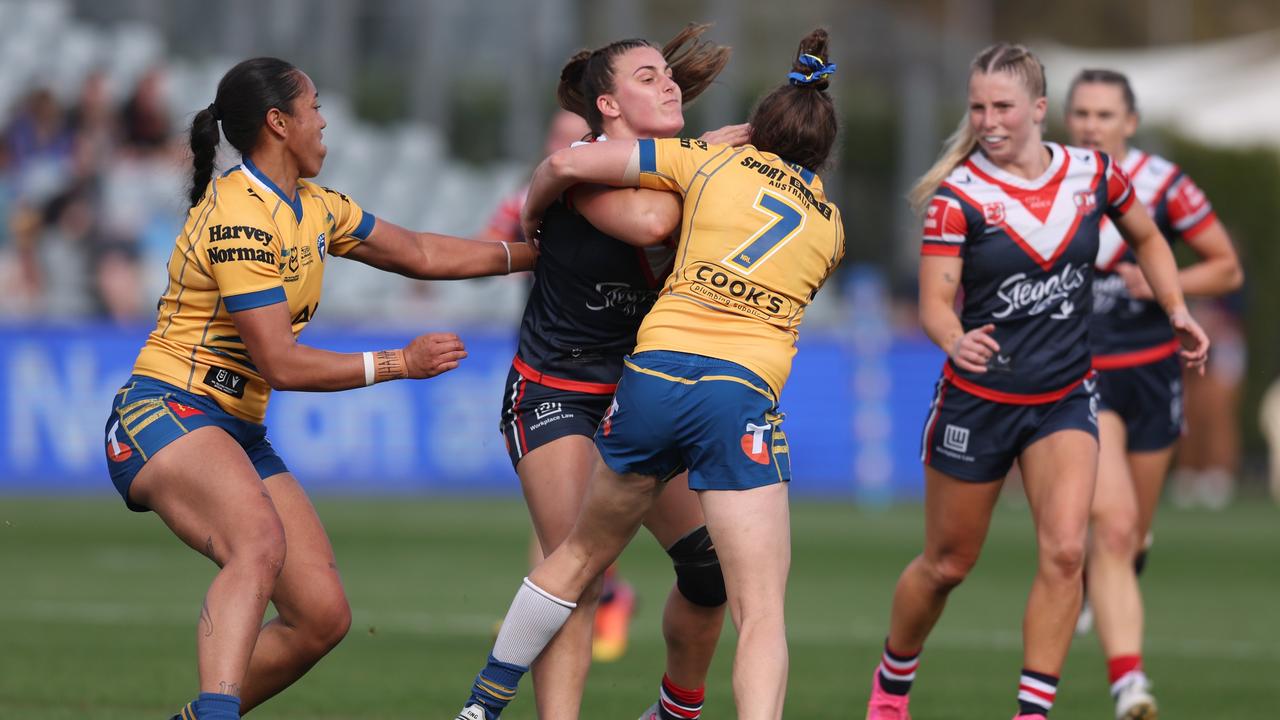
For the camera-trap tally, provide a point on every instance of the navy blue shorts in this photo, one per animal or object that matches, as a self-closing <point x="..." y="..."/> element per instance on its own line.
<point x="1148" y="398"/>
<point x="674" y="410"/>
<point x="534" y="414"/>
<point x="977" y="440"/>
<point x="148" y="414"/>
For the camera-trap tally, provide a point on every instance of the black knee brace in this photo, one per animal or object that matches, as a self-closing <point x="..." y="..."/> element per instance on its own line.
<point x="698" y="569"/>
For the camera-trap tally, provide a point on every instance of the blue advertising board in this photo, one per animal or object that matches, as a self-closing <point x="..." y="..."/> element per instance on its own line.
<point x="854" y="412"/>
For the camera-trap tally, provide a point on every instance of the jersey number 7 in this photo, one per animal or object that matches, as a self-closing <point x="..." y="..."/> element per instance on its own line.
<point x="785" y="222"/>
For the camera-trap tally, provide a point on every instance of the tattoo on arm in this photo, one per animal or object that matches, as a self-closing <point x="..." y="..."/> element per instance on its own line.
<point x="388" y="365"/>
<point x="206" y="619"/>
<point x="951" y="280"/>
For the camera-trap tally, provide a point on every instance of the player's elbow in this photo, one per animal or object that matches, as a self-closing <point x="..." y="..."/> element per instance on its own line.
<point x="1235" y="276"/>
<point x="279" y="379"/>
<point x="656" y="227"/>
<point x="560" y="164"/>
<point x="278" y="374"/>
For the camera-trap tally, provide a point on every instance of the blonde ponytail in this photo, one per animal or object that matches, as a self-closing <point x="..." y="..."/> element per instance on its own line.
<point x="959" y="146"/>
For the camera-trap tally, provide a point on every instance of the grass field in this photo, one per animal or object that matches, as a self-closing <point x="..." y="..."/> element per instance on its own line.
<point x="98" y="609"/>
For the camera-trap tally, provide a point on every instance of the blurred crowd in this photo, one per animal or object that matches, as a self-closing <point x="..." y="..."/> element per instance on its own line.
<point x="88" y="189"/>
<point x="92" y="194"/>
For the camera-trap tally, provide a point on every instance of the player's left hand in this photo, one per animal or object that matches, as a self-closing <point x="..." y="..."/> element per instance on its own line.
<point x="1195" y="344"/>
<point x="1135" y="281"/>
<point x="734" y="135"/>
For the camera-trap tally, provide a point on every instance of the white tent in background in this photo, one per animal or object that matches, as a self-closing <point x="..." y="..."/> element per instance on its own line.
<point x="1223" y="93"/>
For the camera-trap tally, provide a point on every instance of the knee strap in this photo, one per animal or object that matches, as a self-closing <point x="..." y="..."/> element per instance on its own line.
<point x="698" y="569"/>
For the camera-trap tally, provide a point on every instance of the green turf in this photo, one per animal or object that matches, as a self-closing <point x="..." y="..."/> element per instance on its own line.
<point x="98" y="609"/>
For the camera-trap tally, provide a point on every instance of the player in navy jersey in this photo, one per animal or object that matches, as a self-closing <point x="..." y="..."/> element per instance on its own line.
<point x="604" y="254"/>
<point x="1139" y="378"/>
<point x="617" y="597"/>
<point x="1014" y="221"/>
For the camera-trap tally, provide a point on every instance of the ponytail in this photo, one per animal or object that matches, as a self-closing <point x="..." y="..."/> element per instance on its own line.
<point x="205" y="137"/>
<point x="959" y="146"/>
<point x="570" y="90"/>
<point x="797" y="120"/>
<point x="245" y="95"/>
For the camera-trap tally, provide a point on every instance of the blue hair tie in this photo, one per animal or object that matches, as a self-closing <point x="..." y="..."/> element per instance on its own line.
<point x="818" y="70"/>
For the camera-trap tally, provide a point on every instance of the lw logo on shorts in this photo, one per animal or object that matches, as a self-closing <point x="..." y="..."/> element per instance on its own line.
<point x="956" y="438"/>
<point x="546" y="409"/>
<point x="753" y="443"/>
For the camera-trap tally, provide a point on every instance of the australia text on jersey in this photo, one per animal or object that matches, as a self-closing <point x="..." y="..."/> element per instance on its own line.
<point x="783" y="180"/>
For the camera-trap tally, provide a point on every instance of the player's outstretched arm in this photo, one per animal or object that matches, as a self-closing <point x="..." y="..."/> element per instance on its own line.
<point x="939" y="282"/>
<point x="636" y="216"/>
<point x="614" y="163"/>
<point x="1161" y="272"/>
<point x="287" y="364"/>
<point x="431" y="256"/>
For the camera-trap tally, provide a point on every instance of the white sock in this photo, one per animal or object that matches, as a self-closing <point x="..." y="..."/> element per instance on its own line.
<point x="533" y="620"/>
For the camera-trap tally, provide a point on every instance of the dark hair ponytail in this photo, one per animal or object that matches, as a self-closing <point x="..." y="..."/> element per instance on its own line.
<point x="204" y="147"/>
<point x="797" y="120"/>
<point x="245" y="94"/>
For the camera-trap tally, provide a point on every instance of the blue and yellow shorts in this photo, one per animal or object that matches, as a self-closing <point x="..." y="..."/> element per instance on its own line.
<point x="675" y="410"/>
<point x="148" y="414"/>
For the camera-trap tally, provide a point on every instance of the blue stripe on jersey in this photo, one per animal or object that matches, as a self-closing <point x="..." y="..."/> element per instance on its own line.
<point x="295" y="203"/>
<point x="806" y="174"/>
<point x="365" y="227"/>
<point x="648" y="156"/>
<point x="256" y="299"/>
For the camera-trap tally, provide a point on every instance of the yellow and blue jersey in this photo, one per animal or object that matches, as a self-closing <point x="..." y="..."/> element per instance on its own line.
<point x="246" y="244"/>
<point x="758" y="239"/>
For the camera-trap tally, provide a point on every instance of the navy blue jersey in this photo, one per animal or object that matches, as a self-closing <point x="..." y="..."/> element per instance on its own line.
<point x="1127" y="332"/>
<point x="590" y="292"/>
<point x="1028" y="248"/>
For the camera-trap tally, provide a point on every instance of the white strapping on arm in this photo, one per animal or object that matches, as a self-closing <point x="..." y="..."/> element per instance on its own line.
<point x="631" y="176"/>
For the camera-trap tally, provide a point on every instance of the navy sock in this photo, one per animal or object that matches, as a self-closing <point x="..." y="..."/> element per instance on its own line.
<point x="897" y="671"/>
<point x="495" y="686"/>
<point x="216" y="706"/>
<point x="1036" y="692"/>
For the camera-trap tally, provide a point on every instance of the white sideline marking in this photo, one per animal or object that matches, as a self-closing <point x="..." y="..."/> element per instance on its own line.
<point x="461" y="625"/>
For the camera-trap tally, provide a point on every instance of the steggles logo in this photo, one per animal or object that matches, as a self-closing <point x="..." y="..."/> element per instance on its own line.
<point x="1037" y="296"/>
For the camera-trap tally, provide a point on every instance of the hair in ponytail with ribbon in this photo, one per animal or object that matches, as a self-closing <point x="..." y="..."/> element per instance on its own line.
<point x="244" y="96"/>
<point x="797" y="121"/>
<point x="695" y="64"/>
<point x="1010" y="58"/>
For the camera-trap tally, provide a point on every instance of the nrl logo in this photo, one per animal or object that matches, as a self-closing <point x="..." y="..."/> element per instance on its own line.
<point x="993" y="213"/>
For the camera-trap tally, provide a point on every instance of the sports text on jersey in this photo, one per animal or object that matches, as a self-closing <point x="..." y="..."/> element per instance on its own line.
<point x="1035" y="295"/>
<point x="783" y="180"/>
<point x="221" y="255"/>
<point x="235" y="232"/>
<point x="727" y="288"/>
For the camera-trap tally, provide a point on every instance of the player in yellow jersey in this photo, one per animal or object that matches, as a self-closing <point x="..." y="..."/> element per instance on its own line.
<point x="185" y="436"/>
<point x="758" y="239"/>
